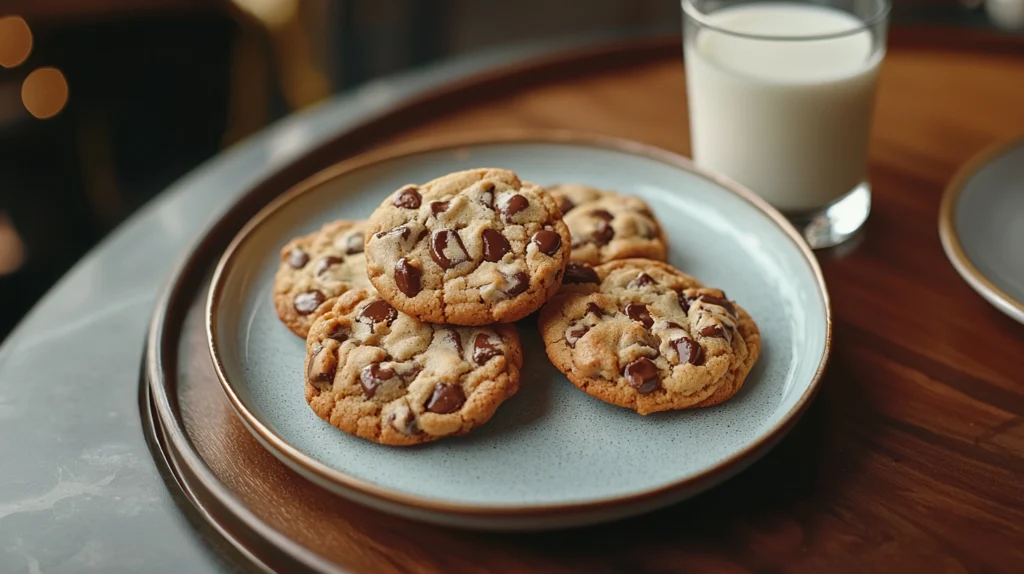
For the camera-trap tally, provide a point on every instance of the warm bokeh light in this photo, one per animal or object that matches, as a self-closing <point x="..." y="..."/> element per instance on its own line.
<point x="44" y="92"/>
<point x="15" y="41"/>
<point x="272" y="13"/>
<point x="12" y="251"/>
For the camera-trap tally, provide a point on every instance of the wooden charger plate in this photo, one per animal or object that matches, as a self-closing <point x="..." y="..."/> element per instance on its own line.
<point x="823" y="495"/>
<point x="251" y="498"/>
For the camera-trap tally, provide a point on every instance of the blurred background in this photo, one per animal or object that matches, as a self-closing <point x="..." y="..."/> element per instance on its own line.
<point x="104" y="103"/>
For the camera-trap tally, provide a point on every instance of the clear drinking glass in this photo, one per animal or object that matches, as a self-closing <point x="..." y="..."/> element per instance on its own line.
<point x="781" y="95"/>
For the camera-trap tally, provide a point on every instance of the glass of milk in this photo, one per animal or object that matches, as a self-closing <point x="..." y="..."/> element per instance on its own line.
<point x="781" y="96"/>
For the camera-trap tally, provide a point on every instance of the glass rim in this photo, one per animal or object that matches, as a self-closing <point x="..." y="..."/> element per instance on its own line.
<point x="692" y="12"/>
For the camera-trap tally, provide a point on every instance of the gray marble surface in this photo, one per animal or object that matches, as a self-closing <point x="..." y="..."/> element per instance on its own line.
<point x="79" y="491"/>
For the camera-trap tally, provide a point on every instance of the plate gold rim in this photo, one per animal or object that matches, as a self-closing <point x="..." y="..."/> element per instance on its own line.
<point x="950" y="237"/>
<point x="491" y="137"/>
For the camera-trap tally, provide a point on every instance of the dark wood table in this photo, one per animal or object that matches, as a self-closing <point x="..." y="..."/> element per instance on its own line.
<point x="911" y="458"/>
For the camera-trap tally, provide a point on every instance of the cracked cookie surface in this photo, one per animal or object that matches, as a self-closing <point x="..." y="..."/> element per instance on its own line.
<point x="470" y="248"/>
<point x="606" y="225"/>
<point x="377" y="373"/>
<point x="641" y="334"/>
<point x="315" y="269"/>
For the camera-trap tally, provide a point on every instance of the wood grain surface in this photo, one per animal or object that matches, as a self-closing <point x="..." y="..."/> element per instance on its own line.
<point x="911" y="459"/>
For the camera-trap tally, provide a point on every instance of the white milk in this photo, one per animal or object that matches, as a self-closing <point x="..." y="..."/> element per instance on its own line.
<point x="788" y="119"/>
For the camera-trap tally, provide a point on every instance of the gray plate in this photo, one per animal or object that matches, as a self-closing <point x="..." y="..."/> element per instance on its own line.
<point x="552" y="456"/>
<point x="982" y="226"/>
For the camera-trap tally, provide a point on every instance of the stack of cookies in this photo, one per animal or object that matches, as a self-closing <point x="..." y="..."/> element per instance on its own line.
<point x="408" y="315"/>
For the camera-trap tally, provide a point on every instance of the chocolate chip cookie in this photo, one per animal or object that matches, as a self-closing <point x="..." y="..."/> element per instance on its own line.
<point x="606" y="226"/>
<point x="470" y="248"/>
<point x="641" y="334"/>
<point x="315" y="269"/>
<point x="380" y="374"/>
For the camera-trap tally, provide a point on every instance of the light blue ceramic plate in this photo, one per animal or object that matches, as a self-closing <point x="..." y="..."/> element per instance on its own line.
<point x="552" y="456"/>
<point x="982" y="226"/>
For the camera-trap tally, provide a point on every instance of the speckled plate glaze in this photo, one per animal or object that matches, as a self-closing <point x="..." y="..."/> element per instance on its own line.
<point x="552" y="456"/>
<point x="981" y="224"/>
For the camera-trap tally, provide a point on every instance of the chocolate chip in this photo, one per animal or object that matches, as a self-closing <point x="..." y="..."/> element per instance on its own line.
<point x="641" y="280"/>
<point x="495" y="245"/>
<point x="407" y="197"/>
<point x="580" y="273"/>
<point x="593" y="308"/>
<point x="565" y="204"/>
<point x="326" y="263"/>
<point x="517" y="283"/>
<point x="400" y="230"/>
<point x="642" y="375"/>
<point x="547" y="241"/>
<point x="720" y="301"/>
<point x="404" y="422"/>
<point x="354" y="243"/>
<point x="484" y="348"/>
<point x="439" y="207"/>
<point x="308" y="301"/>
<point x="487" y="195"/>
<point x="340" y="333"/>
<point x="377" y="312"/>
<point x="373" y="376"/>
<point x="713" y="331"/>
<point x="297" y="258"/>
<point x="640" y="314"/>
<point x="454" y="339"/>
<point x="312" y="361"/>
<point x="316" y="351"/>
<point x="673" y="325"/>
<point x="515" y="204"/>
<point x="602" y="214"/>
<point x="321" y="369"/>
<point x="407" y="277"/>
<point x="603" y="232"/>
<point x="576" y="334"/>
<point x="446" y="399"/>
<point x="689" y="350"/>
<point x="684" y="301"/>
<point x="447" y="249"/>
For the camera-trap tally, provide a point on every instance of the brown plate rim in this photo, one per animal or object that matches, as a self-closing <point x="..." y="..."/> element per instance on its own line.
<point x="223" y="514"/>
<point x="950" y="237"/>
<point x="365" y="488"/>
